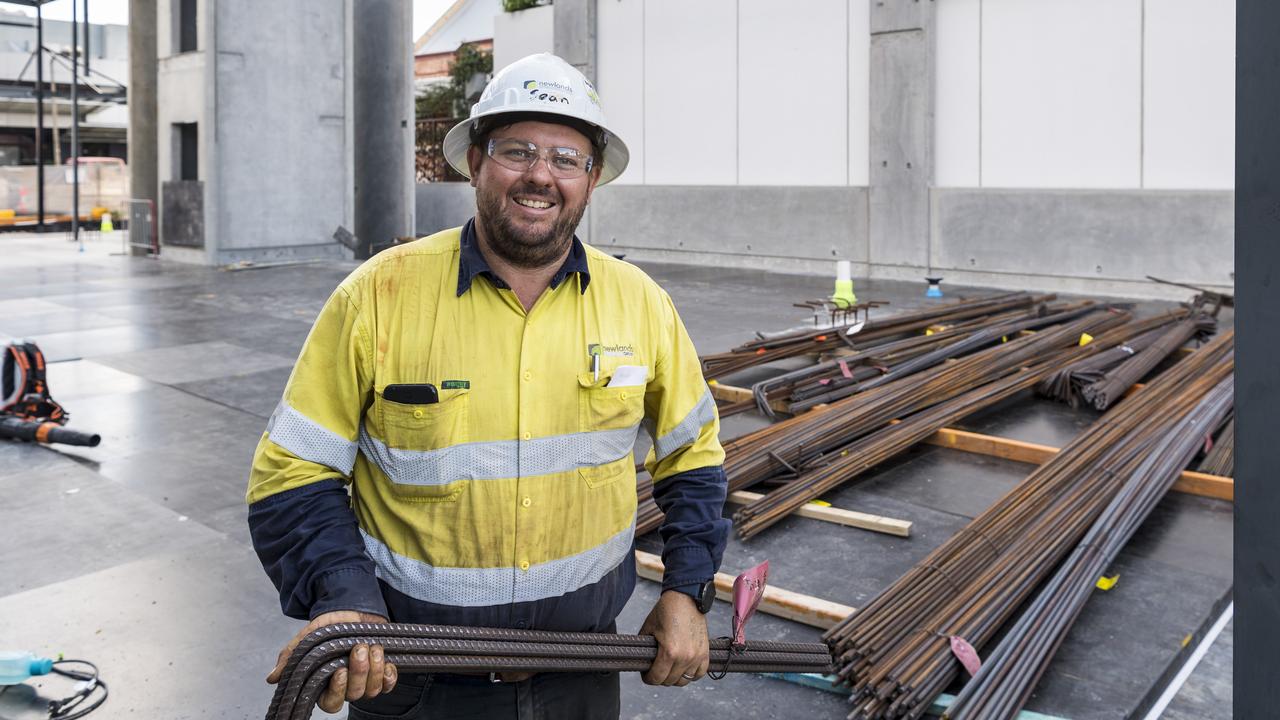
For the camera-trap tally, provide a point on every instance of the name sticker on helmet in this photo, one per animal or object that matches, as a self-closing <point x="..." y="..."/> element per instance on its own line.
<point x="547" y="90"/>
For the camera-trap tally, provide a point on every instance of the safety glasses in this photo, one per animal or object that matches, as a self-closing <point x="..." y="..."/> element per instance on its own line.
<point x="520" y="155"/>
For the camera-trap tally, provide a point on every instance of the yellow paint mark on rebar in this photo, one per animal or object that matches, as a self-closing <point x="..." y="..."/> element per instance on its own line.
<point x="1085" y="339"/>
<point x="820" y="503"/>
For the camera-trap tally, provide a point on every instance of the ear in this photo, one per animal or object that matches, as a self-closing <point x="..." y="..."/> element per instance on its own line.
<point x="592" y="178"/>
<point x="473" y="162"/>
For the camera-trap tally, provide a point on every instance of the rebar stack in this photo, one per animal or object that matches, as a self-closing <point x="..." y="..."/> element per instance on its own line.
<point x="1010" y="672"/>
<point x="1221" y="458"/>
<point x="788" y="445"/>
<point x="1112" y="386"/>
<point x="758" y="352"/>
<point x="1123" y="343"/>
<point x="450" y="649"/>
<point x="895" y="652"/>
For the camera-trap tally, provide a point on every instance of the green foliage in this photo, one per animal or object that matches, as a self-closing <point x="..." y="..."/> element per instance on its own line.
<point x="518" y="5"/>
<point x="448" y="100"/>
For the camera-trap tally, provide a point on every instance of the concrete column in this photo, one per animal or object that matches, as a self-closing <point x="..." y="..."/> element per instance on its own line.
<point x="575" y="34"/>
<point x="143" y="168"/>
<point x="384" y="130"/>
<point x="901" y="152"/>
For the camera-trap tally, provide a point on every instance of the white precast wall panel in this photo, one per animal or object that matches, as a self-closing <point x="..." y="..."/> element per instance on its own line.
<point x="957" y="99"/>
<point x="518" y="34"/>
<point x="691" y="92"/>
<point x="1189" y="119"/>
<point x="793" y="100"/>
<point x="1061" y="93"/>
<point x="620" y="77"/>
<point x="859" y="112"/>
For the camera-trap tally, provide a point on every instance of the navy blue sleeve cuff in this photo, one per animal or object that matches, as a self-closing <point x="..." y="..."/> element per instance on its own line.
<point x="348" y="589"/>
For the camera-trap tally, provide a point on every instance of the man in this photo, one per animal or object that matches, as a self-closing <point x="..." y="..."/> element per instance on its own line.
<point x="478" y="392"/>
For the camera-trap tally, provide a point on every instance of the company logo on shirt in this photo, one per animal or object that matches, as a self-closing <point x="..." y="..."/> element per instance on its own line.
<point x="615" y="350"/>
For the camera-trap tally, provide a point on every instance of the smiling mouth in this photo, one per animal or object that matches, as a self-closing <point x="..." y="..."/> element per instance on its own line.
<point x="535" y="204"/>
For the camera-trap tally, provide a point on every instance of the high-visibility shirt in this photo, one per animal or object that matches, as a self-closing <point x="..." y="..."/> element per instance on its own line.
<point x="488" y="449"/>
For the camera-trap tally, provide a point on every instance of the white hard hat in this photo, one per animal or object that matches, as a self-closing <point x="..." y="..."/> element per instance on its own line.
<point x="545" y="84"/>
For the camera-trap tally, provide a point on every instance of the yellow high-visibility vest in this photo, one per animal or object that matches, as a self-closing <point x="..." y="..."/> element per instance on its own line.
<point x="519" y="483"/>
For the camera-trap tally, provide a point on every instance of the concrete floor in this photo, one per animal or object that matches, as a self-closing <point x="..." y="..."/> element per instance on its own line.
<point x="136" y="555"/>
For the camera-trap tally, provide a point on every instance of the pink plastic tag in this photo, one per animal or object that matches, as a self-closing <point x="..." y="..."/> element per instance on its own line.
<point x="965" y="653"/>
<point x="824" y="381"/>
<point x="1208" y="442"/>
<point x="844" y="370"/>
<point x="748" y="588"/>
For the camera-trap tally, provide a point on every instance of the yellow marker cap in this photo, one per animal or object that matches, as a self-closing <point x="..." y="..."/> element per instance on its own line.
<point x="1106" y="583"/>
<point x="820" y="503"/>
<point x="1085" y="339"/>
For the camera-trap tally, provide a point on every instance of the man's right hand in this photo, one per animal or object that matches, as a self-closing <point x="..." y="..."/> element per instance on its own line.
<point x="366" y="676"/>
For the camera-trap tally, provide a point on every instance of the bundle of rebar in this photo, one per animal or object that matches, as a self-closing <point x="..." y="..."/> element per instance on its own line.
<point x="1010" y="672"/>
<point x="1221" y="458"/>
<point x="839" y="377"/>
<point x="1124" y="342"/>
<point x="854" y="335"/>
<point x="788" y="445"/>
<point x="1112" y="385"/>
<point x="451" y="649"/>
<point x="895" y="652"/>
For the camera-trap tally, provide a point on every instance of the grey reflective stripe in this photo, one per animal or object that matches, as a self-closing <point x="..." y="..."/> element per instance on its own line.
<point x="688" y="429"/>
<point x="499" y="459"/>
<point x="477" y="587"/>
<point x="310" y="440"/>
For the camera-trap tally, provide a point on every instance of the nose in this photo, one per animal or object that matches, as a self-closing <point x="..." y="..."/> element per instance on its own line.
<point x="540" y="172"/>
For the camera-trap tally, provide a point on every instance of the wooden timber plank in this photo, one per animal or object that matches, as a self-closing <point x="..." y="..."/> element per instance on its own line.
<point x="731" y="394"/>
<point x="839" y="516"/>
<point x="1191" y="482"/>
<point x="786" y="604"/>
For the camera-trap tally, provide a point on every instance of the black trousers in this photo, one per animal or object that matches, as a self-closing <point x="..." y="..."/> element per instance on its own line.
<point x="545" y="696"/>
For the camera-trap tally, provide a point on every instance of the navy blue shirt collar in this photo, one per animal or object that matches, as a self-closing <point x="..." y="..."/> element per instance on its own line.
<point x="471" y="263"/>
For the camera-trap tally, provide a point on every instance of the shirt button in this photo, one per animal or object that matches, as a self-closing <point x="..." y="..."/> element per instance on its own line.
<point x="417" y="414"/>
<point x="528" y="375"/>
<point x="527" y="502"/>
<point x="527" y="435"/>
<point x="622" y="396"/>
<point x="524" y="565"/>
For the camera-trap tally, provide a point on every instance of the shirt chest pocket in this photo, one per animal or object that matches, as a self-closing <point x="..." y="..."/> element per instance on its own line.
<point x="608" y="408"/>
<point x="428" y="426"/>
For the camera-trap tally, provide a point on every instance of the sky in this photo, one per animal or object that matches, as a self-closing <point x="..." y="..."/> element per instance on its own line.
<point x="116" y="12"/>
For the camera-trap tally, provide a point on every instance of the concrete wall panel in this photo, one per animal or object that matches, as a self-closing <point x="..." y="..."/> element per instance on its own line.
<point x="901" y="134"/>
<point x="518" y="34"/>
<point x="958" y="111"/>
<point x="1189" y="94"/>
<point x="1101" y="239"/>
<point x="859" y="69"/>
<point x="810" y="223"/>
<point x="792" y="93"/>
<point x="282" y="107"/>
<point x="898" y="15"/>
<point x="620" y="75"/>
<point x="1061" y="92"/>
<point x="443" y="205"/>
<point x="691" y="92"/>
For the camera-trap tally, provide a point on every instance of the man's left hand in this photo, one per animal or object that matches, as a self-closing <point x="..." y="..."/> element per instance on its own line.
<point x="684" y="652"/>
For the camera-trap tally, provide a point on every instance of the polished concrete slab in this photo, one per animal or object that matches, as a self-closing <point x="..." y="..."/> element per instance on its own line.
<point x="135" y="554"/>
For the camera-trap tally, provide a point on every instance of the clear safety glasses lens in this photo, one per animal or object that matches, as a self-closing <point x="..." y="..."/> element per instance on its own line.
<point x="518" y="155"/>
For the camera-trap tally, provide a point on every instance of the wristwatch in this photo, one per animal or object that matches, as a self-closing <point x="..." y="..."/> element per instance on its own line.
<point x="704" y="595"/>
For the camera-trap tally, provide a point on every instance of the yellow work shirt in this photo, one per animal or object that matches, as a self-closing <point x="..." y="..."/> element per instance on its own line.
<point x="518" y="484"/>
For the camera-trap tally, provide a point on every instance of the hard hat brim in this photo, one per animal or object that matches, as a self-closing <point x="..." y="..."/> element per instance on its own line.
<point x="458" y="139"/>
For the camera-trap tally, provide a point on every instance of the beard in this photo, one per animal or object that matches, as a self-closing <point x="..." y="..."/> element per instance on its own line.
<point x="522" y="246"/>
